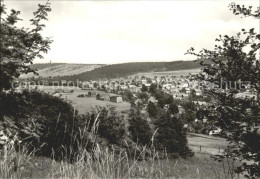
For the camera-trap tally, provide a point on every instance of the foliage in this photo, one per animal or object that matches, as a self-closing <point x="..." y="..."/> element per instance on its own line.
<point x="125" y="69"/>
<point x="143" y="96"/>
<point x="173" y="108"/>
<point x="171" y="136"/>
<point x="234" y="60"/>
<point x="20" y="46"/>
<point x="153" y="88"/>
<point x="200" y="114"/>
<point x="163" y="98"/>
<point x="144" y="88"/>
<point x="111" y="125"/>
<point x="127" y="96"/>
<point x="139" y="128"/>
<point x="41" y="119"/>
<point x="152" y="109"/>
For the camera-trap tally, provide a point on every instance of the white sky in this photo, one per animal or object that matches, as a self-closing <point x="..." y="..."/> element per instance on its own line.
<point x="126" y="31"/>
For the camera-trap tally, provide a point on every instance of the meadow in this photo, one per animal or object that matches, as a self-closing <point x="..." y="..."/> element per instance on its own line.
<point x="83" y="105"/>
<point x="60" y="69"/>
<point x="168" y="73"/>
<point x="103" y="163"/>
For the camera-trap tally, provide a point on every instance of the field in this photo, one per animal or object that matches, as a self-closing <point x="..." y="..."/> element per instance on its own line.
<point x="169" y="73"/>
<point x="85" y="104"/>
<point x="60" y="69"/>
<point x="205" y="144"/>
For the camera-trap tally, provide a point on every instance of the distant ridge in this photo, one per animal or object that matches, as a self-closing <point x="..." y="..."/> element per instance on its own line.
<point x="60" y="69"/>
<point x="125" y="69"/>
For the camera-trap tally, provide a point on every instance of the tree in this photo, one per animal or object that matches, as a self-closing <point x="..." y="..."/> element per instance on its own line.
<point x="152" y="109"/>
<point x="200" y="114"/>
<point x="171" y="136"/>
<point x="111" y="126"/>
<point x="143" y="96"/>
<point x="193" y="95"/>
<point x="139" y="128"/>
<point x="233" y="61"/>
<point x="153" y="88"/>
<point x="20" y="46"/>
<point x="128" y="96"/>
<point x="144" y="88"/>
<point x="173" y="108"/>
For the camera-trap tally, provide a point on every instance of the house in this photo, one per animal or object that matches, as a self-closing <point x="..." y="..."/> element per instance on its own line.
<point x="215" y="132"/>
<point x="198" y="92"/>
<point x="105" y="97"/>
<point x="187" y="90"/>
<point x="181" y="110"/>
<point x="153" y="100"/>
<point x="147" y="84"/>
<point x="204" y="120"/>
<point x="189" y="128"/>
<point x="116" y="99"/>
<point x="201" y="103"/>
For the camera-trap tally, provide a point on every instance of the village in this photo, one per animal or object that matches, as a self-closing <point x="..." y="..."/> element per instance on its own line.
<point x="139" y="91"/>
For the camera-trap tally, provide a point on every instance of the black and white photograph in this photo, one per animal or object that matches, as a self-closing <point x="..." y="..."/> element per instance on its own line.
<point x="130" y="89"/>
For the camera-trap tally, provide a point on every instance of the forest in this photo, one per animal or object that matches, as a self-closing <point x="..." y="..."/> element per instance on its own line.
<point x="125" y="69"/>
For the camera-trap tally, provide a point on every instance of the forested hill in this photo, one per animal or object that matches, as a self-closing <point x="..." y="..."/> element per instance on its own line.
<point x="125" y="69"/>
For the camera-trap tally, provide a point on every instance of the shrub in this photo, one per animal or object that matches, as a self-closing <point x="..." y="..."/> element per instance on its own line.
<point x="81" y="96"/>
<point x="41" y="119"/>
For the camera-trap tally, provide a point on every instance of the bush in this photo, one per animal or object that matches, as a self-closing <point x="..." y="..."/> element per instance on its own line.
<point x="41" y="120"/>
<point x="81" y="96"/>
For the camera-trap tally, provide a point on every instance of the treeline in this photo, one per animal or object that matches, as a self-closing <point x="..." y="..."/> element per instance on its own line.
<point x="124" y="69"/>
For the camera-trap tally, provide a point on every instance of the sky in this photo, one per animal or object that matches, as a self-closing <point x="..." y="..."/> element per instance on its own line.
<point x="109" y="32"/>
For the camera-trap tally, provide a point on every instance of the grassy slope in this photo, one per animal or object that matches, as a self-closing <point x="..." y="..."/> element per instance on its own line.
<point x="201" y="166"/>
<point x="60" y="69"/>
<point x="41" y="66"/>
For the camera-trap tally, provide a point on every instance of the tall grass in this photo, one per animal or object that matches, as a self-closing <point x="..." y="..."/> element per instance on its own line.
<point x="104" y="162"/>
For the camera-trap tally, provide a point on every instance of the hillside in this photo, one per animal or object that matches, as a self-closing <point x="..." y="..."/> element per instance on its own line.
<point x="60" y="69"/>
<point x="125" y="69"/>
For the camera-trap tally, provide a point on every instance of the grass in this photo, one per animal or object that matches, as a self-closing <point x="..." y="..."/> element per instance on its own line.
<point x="61" y="69"/>
<point x="168" y="73"/>
<point x="206" y="144"/>
<point x="85" y="104"/>
<point x="101" y="162"/>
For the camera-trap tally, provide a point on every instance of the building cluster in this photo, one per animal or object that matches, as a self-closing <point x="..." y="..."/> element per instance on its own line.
<point x="179" y="87"/>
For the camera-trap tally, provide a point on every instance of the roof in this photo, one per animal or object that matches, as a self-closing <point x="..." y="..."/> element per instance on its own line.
<point x="115" y="96"/>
